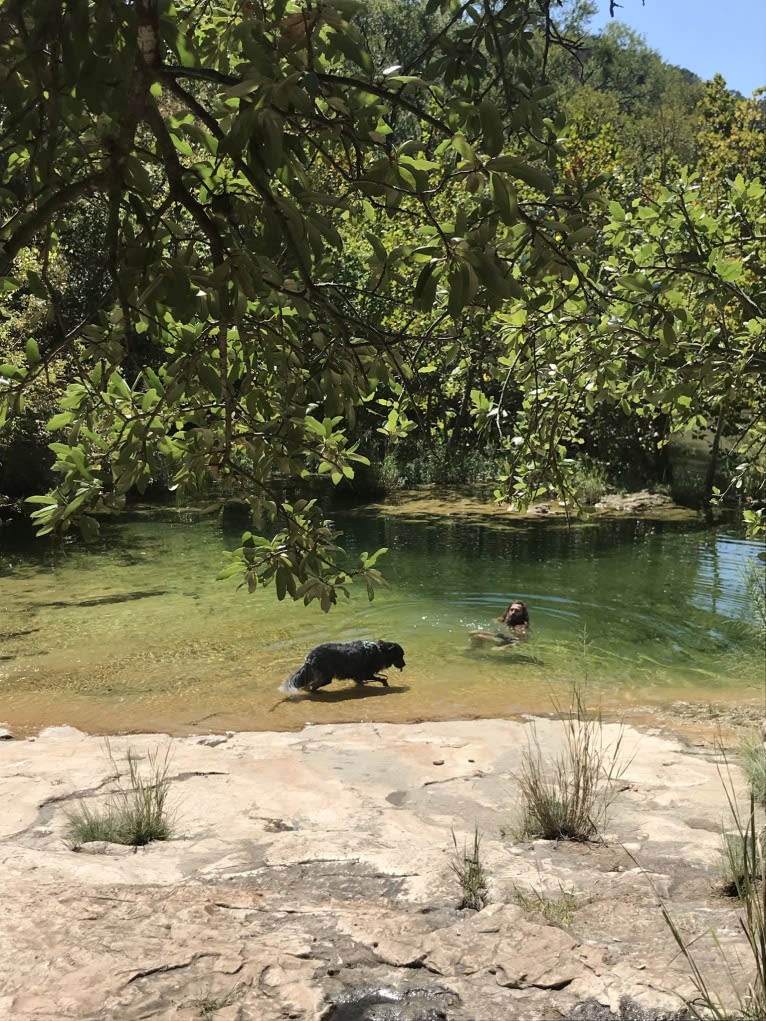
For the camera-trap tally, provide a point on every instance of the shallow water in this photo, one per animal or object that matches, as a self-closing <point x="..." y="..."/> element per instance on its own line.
<point x="139" y="636"/>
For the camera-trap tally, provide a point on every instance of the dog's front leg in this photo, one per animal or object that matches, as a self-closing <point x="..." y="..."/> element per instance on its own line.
<point x="321" y="682"/>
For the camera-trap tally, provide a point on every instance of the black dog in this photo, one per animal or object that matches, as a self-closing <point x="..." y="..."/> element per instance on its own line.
<point x="357" y="661"/>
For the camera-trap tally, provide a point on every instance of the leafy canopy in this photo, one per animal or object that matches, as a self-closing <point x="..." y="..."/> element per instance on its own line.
<point x="222" y="154"/>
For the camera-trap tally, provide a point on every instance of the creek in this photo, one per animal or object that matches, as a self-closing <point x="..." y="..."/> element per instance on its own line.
<point x="137" y="635"/>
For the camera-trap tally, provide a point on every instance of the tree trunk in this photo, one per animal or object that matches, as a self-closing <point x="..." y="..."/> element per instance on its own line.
<point x="707" y="493"/>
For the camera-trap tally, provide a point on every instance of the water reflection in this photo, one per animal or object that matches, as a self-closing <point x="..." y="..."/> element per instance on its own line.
<point x="137" y="634"/>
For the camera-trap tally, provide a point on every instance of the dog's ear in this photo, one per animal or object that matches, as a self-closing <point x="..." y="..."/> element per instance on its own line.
<point x="396" y="654"/>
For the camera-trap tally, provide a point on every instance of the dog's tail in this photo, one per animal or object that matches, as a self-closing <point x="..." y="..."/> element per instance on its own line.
<point x="300" y="679"/>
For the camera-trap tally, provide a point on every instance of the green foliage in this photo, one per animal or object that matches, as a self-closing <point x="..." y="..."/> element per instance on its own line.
<point x="622" y="64"/>
<point x="590" y="482"/>
<point x="305" y="550"/>
<point x="135" y="814"/>
<point x="315" y="225"/>
<point x="228" y="154"/>
<point x="632" y="118"/>
<point x="441" y="465"/>
<point x="755" y="522"/>
<point x="732" y="135"/>
<point x="388" y="476"/>
<point x="674" y="334"/>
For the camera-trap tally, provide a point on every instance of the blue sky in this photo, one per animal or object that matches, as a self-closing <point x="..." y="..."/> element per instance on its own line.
<point x="704" y="36"/>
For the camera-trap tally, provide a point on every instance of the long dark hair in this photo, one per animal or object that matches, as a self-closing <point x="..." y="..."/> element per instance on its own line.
<point x="514" y="618"/>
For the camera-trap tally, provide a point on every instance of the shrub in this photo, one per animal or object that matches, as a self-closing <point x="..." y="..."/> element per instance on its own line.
<point x="440" y="465"/>
<point x="590" y="482"/>
<point x="388" y="476"/>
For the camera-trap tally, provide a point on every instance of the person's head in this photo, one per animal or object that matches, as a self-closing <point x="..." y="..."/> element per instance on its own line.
<point x="517" y="613"/>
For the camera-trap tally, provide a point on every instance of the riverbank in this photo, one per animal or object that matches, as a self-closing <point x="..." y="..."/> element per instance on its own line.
<point x="309" y="876"/>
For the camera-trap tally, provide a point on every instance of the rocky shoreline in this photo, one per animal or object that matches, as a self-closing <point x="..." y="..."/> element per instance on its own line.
<point x="308" y="877"/>
<point x="455" y="501"/>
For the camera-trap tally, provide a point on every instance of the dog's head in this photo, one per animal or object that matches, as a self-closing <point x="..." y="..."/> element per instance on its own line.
<point x="393" y="653"/>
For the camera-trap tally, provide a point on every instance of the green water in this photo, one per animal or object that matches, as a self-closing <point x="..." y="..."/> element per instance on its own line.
<point x="137" y="635"/>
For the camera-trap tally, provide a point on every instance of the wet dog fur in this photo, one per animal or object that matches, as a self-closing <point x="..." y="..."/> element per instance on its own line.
<point x="357" y="661"/>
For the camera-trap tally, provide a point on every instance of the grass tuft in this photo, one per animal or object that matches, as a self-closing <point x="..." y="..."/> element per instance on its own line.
<point x="568" y="798"/>
<point x="206" y="1006"/>
<point x="589" y="482"/>
<point x="737" y="863"/>
<point x="558" y="909"/>
<point x="752" y="755"/>
<point x="136" y="812"/>
<point x="468" y="868"/>
<point x="744" y="858"/>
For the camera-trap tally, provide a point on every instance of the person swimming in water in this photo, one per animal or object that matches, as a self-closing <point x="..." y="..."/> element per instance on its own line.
<point x="514" y="629"/>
